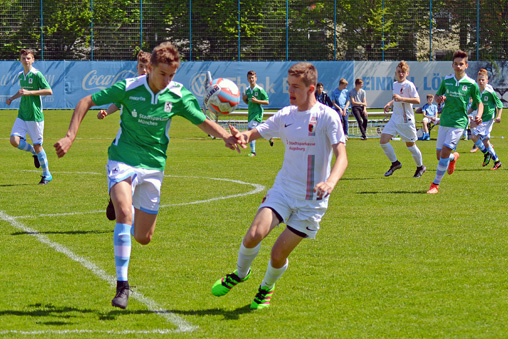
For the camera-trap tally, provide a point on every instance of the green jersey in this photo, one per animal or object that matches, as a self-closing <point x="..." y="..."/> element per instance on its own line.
<point x="457" y="94"/>
<point x="490" y="102"/>
<point x="255" y="110"/>
<point x="145" y="118"/>
<point x="30" y="107"/>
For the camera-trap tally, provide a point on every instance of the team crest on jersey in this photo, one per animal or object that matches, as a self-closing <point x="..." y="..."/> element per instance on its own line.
<point x="134" y="113"/>
<point x="168" y="106"/>
<point x="464" y="88"/>
<point x="30" y="81"/>
<point x="486" y="98"/>
<point x="312" y="126"/>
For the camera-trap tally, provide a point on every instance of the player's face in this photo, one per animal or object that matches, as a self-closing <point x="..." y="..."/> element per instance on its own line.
<point x="160" y="76"/>
<point x="459" y="66"/>
<point x="429" y="100"/>
<point x="401" y="75"/>
<point x="252" y="79"/>
<point x="298" y="92"/>
<point x="142" y="68"/>
<point x="27" y="60"/>
<point x="482" y="81"/>
<point x="319" y="89"/>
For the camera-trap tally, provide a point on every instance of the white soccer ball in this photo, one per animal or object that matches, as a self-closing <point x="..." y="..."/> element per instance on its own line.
<point x="222" y="96"/>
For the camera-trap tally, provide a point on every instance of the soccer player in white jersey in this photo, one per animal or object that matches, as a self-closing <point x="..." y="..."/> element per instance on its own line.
<point x="137" y="156"/>
<point x="402" y="121"/>
<point x="456" y="90"/>
<point x="312" y="134"/>
<point x="481" y="133"/>
<point x="30" y="118"/>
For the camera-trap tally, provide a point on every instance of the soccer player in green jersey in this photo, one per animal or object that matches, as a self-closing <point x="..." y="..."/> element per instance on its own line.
<point x="456" y="90"/>
<point x="255" y="97"/>
<point x="30" y="118"/>
<point x="142" y="68"/>
<point x="137" y="156"/>
<point x="481" y="133"/>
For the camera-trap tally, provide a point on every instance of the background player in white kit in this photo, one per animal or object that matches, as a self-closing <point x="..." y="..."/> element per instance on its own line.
<point x="402" y="121"/>
<point x="311" y="133"/>
<point x="137" y="156"/>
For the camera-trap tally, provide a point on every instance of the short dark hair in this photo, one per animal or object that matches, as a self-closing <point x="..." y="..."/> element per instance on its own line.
<point x="165" y="53"/>
<point x="251" y="73"/>
<point x="27" y="51"/>
<point x="460" y="54"/>
<point x="319" y="84"/>
<point x="143" y="57"/>
<point x="358" y="81"/>
<point x="306" y="71"/>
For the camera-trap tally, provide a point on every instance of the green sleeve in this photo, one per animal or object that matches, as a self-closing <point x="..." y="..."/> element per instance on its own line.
<point x="476" y="94"/>
<point x="113" y="94"/>
<point x="442" y="88"/>
<point x="264" y="95"/>
<point x="498" y="102"/>
<point x="43" y="83"/>
<point x="188" y="107"/>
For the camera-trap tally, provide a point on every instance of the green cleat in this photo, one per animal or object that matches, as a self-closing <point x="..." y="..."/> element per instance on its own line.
<point x="262" y="298"/>
<point x="486" y="159"/>
<point x="224" y="285"/>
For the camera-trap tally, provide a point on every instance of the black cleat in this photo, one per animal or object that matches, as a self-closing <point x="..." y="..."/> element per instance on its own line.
<point x="419" y="171"/>
<point x="395" y="166"/>
<point x="486" y="159"/>
<point x="122" y="294"/>
<point x="37" y="164"/>
<point x="45" y="179"/>
<point x="271" y="142"/>
<point x="110" y="211"/>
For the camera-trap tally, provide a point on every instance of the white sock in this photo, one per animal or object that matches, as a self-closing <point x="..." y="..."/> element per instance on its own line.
<point x="417" y="155"/>
<point x="245" y="258"/>
<point x="390" y="153"/>
<point x="273" y="274"/>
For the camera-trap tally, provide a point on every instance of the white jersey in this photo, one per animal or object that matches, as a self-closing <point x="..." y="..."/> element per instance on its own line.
<point x="308" y="137"/>
<point x="402" y="111"/>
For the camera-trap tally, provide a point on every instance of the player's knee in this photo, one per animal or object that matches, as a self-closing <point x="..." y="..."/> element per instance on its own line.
<point x="14" y="141"/>
<point x="143" y="239"/>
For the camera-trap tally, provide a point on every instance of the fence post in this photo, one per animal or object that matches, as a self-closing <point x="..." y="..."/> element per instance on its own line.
<point x="141" y="25"/>
<point x="430" y="31"/>
<point x="335" y="30"/>
<point x="190" y="30"/>
<point x="91" y="28"/>
<point x="42" y="33"/>
<point x="287" y="30"/>
<point x="477" y="30"/>
<point x="239" y="27"/>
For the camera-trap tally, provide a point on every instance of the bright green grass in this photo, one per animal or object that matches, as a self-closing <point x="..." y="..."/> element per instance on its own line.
<point x="389" y="261"/>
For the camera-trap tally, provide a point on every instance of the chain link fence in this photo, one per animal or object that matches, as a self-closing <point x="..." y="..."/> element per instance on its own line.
<point x="268" y="30"/>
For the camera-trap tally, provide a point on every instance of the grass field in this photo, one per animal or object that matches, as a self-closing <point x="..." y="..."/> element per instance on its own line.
<point x="389" y="261"/>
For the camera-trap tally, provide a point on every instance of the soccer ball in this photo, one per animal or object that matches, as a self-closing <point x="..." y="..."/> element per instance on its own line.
<point x="222" y="96"/>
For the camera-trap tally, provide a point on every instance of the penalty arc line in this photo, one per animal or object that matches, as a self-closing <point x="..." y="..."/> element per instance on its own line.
<point x="183" y="326"/>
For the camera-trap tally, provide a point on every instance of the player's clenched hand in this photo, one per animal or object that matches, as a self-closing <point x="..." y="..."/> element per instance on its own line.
<point x="240" y="138"/>
<point x="63" y="146"/>
<point x="323" y="189"/>
<point x="102" y="114"/>
<point x="478" y="120"/>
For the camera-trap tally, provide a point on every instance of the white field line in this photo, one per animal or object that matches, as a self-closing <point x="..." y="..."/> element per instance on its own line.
<point x="257" y="188"/>
<point x="183" y="326"/>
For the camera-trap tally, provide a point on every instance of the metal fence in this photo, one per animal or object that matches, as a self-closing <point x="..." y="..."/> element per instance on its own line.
<point x="254" y="30"/>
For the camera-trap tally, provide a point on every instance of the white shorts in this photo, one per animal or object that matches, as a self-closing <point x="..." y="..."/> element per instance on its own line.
<point x="35" y="129"/>
<point x="406" y="130"/>
<point x="434" y="122"/>
<point x="449" y="137"/>
<point x="484" y="129"/>
<point x="252" y="124"/>
<point x="302" y="215"/>
<point x="146" y="184"/>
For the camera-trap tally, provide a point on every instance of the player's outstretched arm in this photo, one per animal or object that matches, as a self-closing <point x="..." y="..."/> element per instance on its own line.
<point x="104" y="113"/>
<point x="64" y="144"/>
<point x="212" y="128"/>
<point x="325" y="188"/>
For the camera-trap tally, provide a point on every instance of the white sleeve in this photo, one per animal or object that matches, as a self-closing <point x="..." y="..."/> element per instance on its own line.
<point x="270" y="127"/>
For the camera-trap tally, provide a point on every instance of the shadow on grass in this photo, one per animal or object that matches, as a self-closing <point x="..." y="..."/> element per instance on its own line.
<point x="15" y="185"/>
<point x="394" y="192"/>
<point x="63" y="232"/>
<point x="40" y="310"/>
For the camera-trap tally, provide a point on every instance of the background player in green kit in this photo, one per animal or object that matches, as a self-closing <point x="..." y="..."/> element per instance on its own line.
<point x="456" y="90"/>
<point x="137" y="156"/>
<point x="30" y="118"/>
<point x="255" y="97"/>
